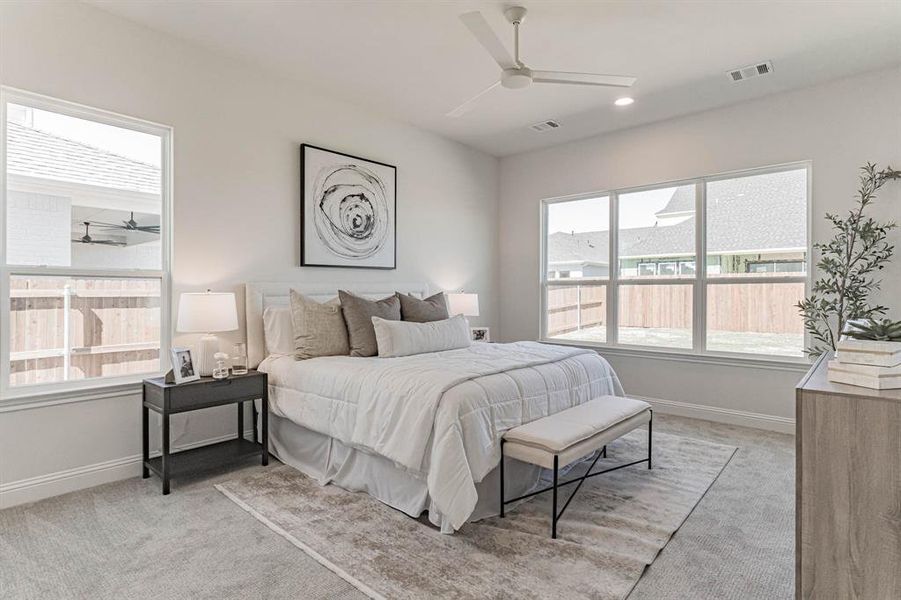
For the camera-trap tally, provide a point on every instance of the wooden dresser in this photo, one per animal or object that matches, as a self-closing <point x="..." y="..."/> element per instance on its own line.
<point x="848" y="504"/>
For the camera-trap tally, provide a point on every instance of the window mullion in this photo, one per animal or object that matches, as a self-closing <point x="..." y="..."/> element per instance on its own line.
<point x="699" y="304"/>
<point x="4" y="329"/>
<point x="39" y="271"/>
<point x="4" y="272"/>
<point x="750" y="280"/>
<point x="545" y="287"/>
<point x="613" y="272"/>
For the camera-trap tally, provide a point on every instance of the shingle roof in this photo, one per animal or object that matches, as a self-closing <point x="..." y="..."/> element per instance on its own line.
<point x="591" y="246"/>
<point x="758" y="213"/>
<point x="35" y="153"/>
<point x="683" y="200"/>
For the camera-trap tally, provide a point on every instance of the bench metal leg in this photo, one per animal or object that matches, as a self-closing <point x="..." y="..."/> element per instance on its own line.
<point x="554" y="516"/>
<point x="502" y="478"/>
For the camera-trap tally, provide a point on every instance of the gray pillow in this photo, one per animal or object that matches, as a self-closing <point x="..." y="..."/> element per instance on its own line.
<point x="319" y="329"/>
<point x="358" y="313"/>
<point x="433" y="308"/>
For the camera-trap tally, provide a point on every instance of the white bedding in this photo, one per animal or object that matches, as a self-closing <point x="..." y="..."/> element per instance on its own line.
<point x="437" y="415"/>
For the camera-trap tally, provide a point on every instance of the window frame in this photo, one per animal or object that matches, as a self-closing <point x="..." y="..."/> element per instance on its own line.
<point x="83" y="388"/>
<point x="700" y="281"/>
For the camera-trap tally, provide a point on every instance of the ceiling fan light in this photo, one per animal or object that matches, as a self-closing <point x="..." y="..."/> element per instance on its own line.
<point x="624" y="101"/>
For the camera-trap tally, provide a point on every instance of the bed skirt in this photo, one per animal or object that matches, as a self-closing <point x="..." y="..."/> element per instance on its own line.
<point x="329" y="461"/>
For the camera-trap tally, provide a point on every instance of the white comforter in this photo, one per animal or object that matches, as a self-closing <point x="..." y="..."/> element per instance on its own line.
<point x="438" y="415"/>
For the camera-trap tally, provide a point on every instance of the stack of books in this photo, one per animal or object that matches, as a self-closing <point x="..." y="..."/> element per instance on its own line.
<point x="865" y="363"/>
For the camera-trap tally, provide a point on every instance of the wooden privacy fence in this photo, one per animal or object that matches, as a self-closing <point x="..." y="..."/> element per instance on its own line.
<point x="65" y="329"/>
<point x="738" y="307"/>
<point x="571" y="308"/>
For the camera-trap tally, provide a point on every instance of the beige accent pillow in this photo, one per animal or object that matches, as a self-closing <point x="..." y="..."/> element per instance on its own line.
<point x="319" y="329"/>
<point x="433" y="308"/>
<point x="358" y="313"/>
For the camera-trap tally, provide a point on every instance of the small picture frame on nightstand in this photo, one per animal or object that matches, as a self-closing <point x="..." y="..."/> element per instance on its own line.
<point x="480" y="334"/>
<point x="183" y="368"/>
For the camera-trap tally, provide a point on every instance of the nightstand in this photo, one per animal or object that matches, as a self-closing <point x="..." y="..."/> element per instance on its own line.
<point x="168" y="399"/>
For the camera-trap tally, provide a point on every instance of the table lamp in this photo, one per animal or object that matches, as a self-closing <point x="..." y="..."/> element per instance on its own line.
<point x="208" y="313"/>
<point x="463" y="304"/>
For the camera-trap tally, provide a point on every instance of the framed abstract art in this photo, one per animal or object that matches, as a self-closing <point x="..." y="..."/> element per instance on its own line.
<point x="348" y="210"/>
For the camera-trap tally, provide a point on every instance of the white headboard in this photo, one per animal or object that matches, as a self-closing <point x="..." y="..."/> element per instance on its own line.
<point x="257" y="296"/>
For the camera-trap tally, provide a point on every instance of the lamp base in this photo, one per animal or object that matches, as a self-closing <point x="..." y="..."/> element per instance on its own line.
<point x="205" y="359"/>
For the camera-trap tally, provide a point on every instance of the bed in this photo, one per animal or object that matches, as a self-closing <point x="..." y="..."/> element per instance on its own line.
<point x="419" y="433"/>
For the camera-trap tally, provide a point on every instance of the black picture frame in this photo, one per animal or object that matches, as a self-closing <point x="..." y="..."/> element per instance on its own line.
<point x="305" y="236"/>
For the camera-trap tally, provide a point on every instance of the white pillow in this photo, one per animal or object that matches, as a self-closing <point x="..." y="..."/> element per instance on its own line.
<point x="278" y="330"/>
<point x="403" y="338"/>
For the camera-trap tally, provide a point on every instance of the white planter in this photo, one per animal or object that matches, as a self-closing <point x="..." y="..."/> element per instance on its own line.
<point x="868" y="352"/>
<point x="875" y="378"/>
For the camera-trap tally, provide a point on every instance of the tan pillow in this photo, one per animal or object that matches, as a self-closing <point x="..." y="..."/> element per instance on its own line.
<point x="319" y="329"/>
<point x="433" y="308"/>
<point x="358" y="313"/>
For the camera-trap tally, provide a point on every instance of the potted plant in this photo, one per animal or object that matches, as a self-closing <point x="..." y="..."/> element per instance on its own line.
<point x="875" y="342"/>
<point x="849" y="265"/>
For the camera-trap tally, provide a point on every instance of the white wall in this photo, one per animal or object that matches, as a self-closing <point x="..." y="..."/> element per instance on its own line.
<point x="236" y="213"/>
<point x="38" y="228"/>
<point x="839" y="126"/>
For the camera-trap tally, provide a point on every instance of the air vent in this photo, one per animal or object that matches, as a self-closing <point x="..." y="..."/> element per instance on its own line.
<point x="764" y="68"/>
<point x="545" y="125"/>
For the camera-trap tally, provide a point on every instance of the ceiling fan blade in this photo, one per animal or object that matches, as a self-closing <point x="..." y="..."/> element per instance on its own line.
<point x="102" y="225"/>
<point x="482" y="31"/>
<point x="470" y="104"/>
<point x="582" y="78"/>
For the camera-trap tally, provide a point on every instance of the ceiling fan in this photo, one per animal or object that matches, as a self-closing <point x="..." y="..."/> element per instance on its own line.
<point x="129" y="225"/>
<point x="514" y="73"/>
<point x="87" y="239"/>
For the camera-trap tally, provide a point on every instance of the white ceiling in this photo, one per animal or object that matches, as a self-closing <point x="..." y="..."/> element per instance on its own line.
<point x="415" y="60"/>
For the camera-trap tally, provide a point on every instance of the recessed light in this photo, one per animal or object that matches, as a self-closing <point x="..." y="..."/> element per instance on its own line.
<point x="625" y="101"/>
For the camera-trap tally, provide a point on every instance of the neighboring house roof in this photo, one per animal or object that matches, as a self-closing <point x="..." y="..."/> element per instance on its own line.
<point x="35" y="153"/>
<point x="683" y="201"/>
<point x="750" y="214"/>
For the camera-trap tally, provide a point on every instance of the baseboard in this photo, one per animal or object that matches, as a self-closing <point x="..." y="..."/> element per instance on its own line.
<point x="62" y="482"/>
<point x="723" y="415"/>
<point x="79" y="478"/>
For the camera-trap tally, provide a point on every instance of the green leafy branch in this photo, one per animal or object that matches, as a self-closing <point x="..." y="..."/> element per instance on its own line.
<point x="850" y="263"/>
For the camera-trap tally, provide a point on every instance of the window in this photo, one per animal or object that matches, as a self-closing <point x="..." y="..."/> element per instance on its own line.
<point x="666" y="269"/>
<point x="644" y="270"/>
<point x="787" y="266"/>
<point x="750" y="229"/>
<point x="579" y="238"/>
<point x="687" y="267"/>
<point x="85" y="254"/>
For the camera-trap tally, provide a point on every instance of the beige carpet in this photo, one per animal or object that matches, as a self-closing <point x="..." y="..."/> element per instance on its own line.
<point x="614" y="528"/>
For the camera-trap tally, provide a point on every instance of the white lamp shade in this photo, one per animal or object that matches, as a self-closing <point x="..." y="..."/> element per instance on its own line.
<point x="207" y="312"/>
<point x="463" y="304"/>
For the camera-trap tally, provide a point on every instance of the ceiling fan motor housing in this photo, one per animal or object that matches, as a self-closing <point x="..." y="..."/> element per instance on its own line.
<point x="516" y="14"/>
<point x="515" y="79"/>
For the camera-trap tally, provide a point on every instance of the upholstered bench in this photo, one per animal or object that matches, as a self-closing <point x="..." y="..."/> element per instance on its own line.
<point x="558" y="440"/>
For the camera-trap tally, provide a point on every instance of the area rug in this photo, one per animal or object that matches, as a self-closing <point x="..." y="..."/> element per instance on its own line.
<point x="611" y="532"/>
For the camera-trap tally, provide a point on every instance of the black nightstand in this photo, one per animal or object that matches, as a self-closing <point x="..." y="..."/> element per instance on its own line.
<point x="169" y="399"/>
